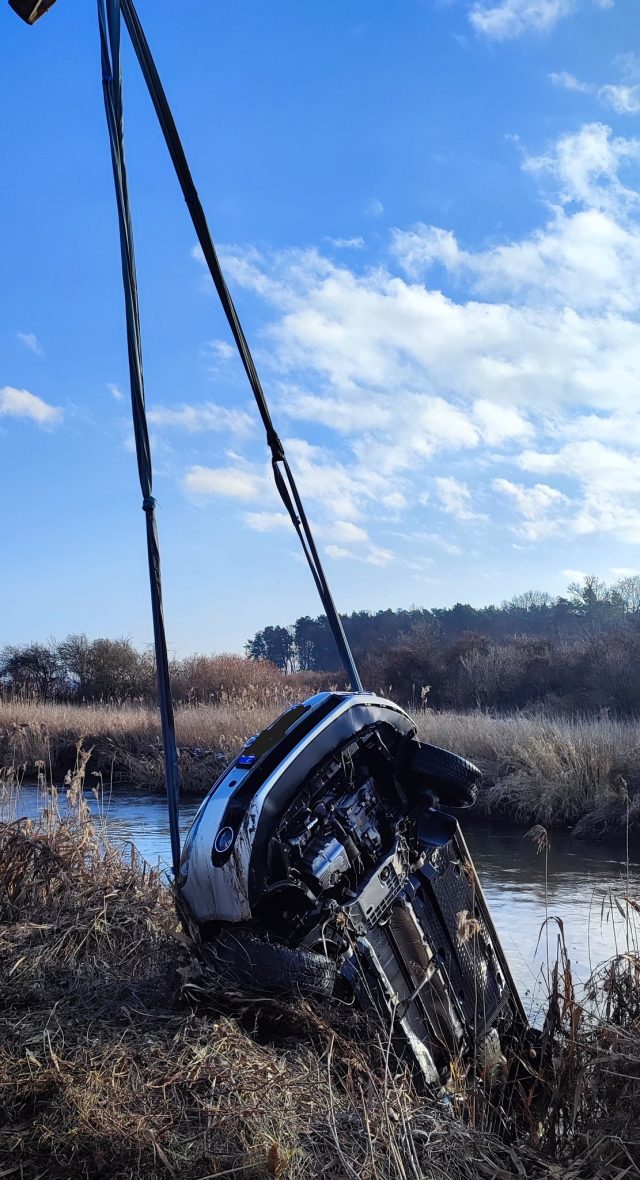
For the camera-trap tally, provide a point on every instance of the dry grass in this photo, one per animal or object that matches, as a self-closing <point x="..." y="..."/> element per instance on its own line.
<point x="126" y="737"/>
<point x="580" y="772"/>
<point x="119" y="1057"/>
<point x="107" y="1067"/>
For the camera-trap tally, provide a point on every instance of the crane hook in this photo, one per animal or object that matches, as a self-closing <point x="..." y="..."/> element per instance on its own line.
<point x="31" y="10"/>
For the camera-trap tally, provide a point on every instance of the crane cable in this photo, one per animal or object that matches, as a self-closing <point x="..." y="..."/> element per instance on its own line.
<point x="109" y="21"/>
<point x="283" y="475"/>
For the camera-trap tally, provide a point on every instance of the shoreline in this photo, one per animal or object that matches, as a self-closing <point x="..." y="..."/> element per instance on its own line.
<point x="576" y="773"/>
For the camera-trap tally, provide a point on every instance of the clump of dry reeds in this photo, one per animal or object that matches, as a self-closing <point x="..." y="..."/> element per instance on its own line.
<point x="549" y="769"/>
<point x="586" y="1105"/>
<point x="579" y="772"/>
<point x="120" y="1055"/>
<point x="118" y="1058"/>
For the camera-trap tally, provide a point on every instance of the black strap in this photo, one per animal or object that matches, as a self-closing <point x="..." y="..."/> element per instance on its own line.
<point x="109" y="22"/>
<point x="283" y="475"/>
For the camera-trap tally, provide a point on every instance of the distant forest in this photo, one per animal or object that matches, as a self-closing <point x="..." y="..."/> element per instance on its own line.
<point x="578" y="651"/>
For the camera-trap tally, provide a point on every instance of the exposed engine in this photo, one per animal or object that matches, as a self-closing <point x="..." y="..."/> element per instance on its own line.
<point x="334" y="835"/>
<point x="322" y="858"/>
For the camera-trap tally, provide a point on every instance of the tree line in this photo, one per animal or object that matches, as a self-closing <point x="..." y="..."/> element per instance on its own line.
<point x="82" y="669"/>
<point x="580" y="650"/>
<point x="577" y="651"/>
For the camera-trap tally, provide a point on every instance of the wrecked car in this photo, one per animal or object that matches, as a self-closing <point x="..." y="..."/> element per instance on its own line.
<point x="324" y="860"/>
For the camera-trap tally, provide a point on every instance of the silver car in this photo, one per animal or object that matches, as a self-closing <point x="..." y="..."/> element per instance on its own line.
<point x="322" y="860"/>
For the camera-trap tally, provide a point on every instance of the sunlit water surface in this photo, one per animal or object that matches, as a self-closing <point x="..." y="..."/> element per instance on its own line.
<point x="576" y="884"/>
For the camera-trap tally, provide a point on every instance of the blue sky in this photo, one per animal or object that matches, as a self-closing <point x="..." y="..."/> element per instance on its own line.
<point x="428" y="213"/>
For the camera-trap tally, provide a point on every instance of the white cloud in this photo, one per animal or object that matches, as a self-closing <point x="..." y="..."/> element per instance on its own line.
<point x="379" y="557"/>
<point x="219" y="350"/>
<point x="349" y="533"/>
<point x="535" y="345"/>
<point x="420" y="538"/>
<point x="395" y="501"/>
<point x="623" y="99"/>
<point x="267" y="522"/>
<point x="347" y="243"/>
<point x="30" y="341"/>
<point x="499" y="424"/>
<point x="343" y="491"/>
<point x="574" y="575"/>
<point x="511" y="18"/>
<point x="419" y="248"/>
<point x="587" y="165"/>
<point x="455" y="498"/>
<point x="337" y="552"/>
<point x="373" y="556"/>
<point x="115" y="391"/>
<point x="540" y="506"/>
<point x="345" y="416"/>
<point x="608" y="486"/>
<point x="19" y="403"/>
<point x="208" y="416"/>
<point x="235" y="483"/>
<point x="568" y="82"/>
<point x="585" y="259"/>
<point x="625" y="571"/>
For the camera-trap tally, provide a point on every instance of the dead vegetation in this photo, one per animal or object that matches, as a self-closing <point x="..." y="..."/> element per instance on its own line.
<point x="120" y="1056"/>
<point x="576" y="771"/>
<point x="580" y="772"/>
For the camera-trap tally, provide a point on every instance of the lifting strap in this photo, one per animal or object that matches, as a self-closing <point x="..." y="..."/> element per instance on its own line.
<point x="109" y="22"/>
<point x="283" y="475"/>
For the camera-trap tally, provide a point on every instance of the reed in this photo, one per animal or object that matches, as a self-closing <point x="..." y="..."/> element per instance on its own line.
<point x="581" y="772"/>
<point x="119" y="1056"/>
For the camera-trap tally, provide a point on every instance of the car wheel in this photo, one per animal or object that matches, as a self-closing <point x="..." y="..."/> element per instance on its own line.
<point x="452" y="779"/>
<point x="249" y="962"/>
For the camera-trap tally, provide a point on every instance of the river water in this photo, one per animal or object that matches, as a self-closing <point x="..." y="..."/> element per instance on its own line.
<point x="577" y="884"/>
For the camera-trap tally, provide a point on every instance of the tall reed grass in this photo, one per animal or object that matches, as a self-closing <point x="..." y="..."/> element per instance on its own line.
<point x="576" y="771"/>
<point x="120" y="1057"/>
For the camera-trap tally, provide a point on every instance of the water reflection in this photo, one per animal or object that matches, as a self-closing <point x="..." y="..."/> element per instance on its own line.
<point x="577" y="886"/>
<point x="582" y="877"/>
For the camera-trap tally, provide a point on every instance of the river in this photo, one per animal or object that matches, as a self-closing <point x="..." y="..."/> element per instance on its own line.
<point x="578" y="885"/>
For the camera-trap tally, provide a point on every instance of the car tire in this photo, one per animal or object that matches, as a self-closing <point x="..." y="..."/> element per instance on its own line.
<point x="452" y="779"/>
<point x="250" y="963"/>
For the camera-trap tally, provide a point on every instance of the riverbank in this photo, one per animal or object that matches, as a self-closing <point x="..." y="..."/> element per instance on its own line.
<point x="580" y="773"/>
<point x="120" y="1056"/>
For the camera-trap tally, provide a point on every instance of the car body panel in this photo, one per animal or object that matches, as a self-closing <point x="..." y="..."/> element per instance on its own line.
<point x="318" y="837"/>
